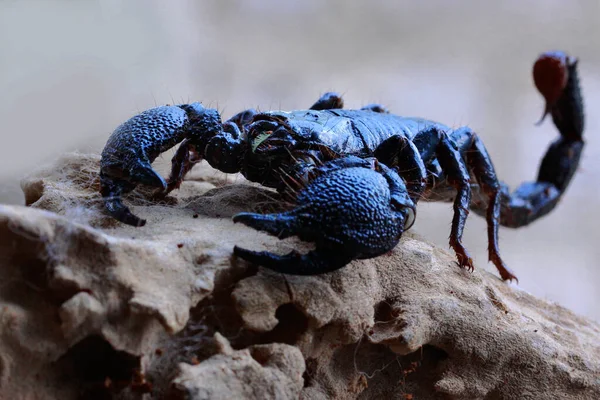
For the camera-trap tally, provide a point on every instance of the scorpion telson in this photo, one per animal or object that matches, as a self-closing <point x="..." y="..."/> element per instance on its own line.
<point x="354" y="175"/>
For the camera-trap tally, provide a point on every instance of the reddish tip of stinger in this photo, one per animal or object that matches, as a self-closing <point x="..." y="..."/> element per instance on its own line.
<point x="550" y="74"/>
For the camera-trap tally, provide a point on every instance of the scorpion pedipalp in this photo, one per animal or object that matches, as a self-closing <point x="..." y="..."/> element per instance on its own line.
<point x="350" y="210"/>
<point x="129" y="152"/>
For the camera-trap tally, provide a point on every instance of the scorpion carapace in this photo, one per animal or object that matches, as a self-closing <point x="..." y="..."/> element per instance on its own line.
<point x="354" y="175"/>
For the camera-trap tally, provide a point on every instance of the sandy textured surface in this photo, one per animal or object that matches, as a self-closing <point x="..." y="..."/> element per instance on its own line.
<point x="90" y="308"/>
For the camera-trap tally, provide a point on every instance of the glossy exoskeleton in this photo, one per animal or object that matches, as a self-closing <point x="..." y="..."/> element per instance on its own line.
<point x="355" y="175"/>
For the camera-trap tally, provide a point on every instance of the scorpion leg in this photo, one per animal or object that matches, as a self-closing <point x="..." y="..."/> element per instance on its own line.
<point x="378" y="108"/>
<point x="328" y="101"/>
<point x="434" y="142"/>
<point x="243" y="118"/>
<point x="457" y="174"/>
<point x="398" y="151"/>
<point x="556" y="77"/>
<point x="182" y="162"/>
<point x="480" y="163"/>
<point x="354" y="208"/>
<point x="458" y="152"/>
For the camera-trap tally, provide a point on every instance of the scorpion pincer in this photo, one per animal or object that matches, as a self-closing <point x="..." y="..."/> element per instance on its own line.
<point x="355" y="175"/>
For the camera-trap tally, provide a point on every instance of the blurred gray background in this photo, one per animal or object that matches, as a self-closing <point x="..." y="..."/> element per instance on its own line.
<point x="71" y="71"/>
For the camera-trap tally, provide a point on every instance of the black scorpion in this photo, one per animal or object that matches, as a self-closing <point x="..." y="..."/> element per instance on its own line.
<point x="355" y="175"/>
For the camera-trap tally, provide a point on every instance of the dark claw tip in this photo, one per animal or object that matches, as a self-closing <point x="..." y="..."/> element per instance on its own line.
<point x="242" y="253"/>
<point x="243" y="217"/>
<point x="510" y="278"/>
<point x="238" y="250"/>
<point x="133" y="221"/>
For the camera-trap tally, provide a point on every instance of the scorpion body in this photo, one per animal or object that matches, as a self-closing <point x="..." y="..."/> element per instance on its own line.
<point x="358" y="132"/>
<point x="328" y="133"/>
<point x="355" y="175"/>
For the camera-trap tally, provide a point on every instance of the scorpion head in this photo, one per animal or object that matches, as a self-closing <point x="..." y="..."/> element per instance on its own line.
<point x="272" y="144"/>
<point x="271" y="138"/>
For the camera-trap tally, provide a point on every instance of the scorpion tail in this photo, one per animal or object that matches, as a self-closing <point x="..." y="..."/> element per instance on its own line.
<point x="556" y="77"/>
<point x="566" y="107"/>
<point x="111" y="195"/>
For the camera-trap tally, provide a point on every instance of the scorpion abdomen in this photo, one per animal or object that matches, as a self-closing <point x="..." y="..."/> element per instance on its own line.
<point x="368" y="128"/>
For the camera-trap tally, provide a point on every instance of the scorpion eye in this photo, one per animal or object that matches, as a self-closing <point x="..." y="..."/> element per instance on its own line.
<point x="409" y="220"/>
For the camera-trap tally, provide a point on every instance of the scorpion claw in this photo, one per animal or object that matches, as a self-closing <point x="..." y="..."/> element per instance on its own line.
<point x="126" y="160"/>
<point x="347" y="212"/>
<point x="295" y="263"/>
<point x="111" y="191"/>
<point x="144" y="173"/>
<point x="116" y="208"/>
<point x="280" y="225"/>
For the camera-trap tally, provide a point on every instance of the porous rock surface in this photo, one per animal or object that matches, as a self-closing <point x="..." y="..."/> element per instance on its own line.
<point x="90" y="308"/>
